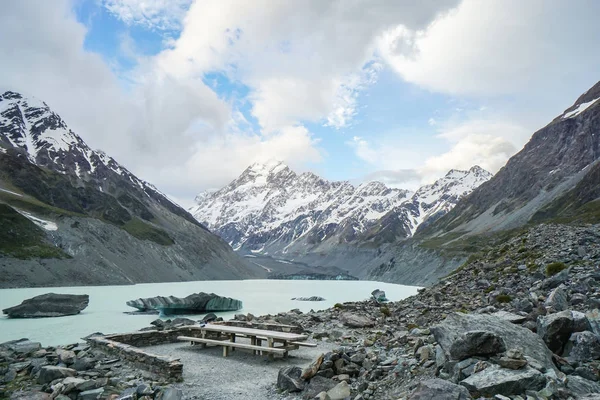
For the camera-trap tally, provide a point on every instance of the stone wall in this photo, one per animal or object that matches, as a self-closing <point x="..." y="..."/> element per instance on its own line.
<point x="126" y="346"/>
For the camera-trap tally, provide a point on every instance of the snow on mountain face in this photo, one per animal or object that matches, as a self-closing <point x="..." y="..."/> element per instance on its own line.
<point x="270" y="208"/>
<point x="30" y="125"/>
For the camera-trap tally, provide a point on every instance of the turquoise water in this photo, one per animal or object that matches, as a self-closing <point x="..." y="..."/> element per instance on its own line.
<point x="105" y="312"/>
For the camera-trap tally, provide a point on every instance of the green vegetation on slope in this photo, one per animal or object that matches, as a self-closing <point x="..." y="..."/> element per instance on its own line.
<point x="144" y="231"/>
<point x="21" y="238"/>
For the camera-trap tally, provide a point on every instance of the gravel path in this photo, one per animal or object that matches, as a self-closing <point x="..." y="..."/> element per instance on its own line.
<point x="241" y="376"/>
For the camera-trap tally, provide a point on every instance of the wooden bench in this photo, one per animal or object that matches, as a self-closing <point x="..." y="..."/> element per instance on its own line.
<point x="228" y="345"/>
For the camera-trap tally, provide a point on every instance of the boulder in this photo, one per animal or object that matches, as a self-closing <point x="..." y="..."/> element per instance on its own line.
<point x="593" y="318"/>
<point x="514" y="336"/>
<point x="49" y="305"/>
<point x="197" y="303"/>
<point x="356" y="321"/>
<point x="288" y="379"/>
<point x="580" y="387"/>
<point x="379" y="296"/>
<point x="170" y="393"/>
<point x="22" y="346"/>
<point x="313" y="368"/>
<point x="339" y="391"/>
<point x="210" y="317"/>
<point x="557" y="300"/>
<point x="582" y="346"/>
<point x="91" y="394"/>
<point x="317" y="385"/>
<point x="476" y="343"/>
<point x="48" y="373"/>
<point x="555" y="329"/>
<point x="496" y="380"/>
<point x="510" y="317"/>
<point x="439" y="389"/>
<point x="312" y="298"/>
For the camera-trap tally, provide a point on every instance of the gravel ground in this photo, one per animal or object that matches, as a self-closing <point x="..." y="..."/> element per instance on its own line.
<point x="241" y="376"/>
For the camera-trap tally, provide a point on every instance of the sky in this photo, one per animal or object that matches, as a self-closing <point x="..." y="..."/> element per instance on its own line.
<point x="187" y="94"/>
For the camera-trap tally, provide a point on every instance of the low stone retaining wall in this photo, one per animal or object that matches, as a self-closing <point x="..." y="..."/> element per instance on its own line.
<point x="153" y="338"/>
<point x="170" y="368"/>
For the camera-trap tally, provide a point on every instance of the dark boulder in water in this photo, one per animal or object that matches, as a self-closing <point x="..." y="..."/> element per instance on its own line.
<point x="197" y="303"/>
<point x="49" y="305"/>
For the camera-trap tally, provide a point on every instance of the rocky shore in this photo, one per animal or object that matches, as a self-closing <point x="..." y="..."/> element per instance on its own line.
<point x="520" y="321"/>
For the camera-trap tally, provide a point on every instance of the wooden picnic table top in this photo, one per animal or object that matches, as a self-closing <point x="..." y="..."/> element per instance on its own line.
<point x="253" y="332"/>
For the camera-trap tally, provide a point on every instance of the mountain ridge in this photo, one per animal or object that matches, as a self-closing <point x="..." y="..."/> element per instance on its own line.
<point x="108" y="221"/>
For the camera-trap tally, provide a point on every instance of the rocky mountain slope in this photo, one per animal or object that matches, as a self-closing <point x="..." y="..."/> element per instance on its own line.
<point x="72" y="215"/>
<point x="552" y="163"/>
<point x="270" y="209"/>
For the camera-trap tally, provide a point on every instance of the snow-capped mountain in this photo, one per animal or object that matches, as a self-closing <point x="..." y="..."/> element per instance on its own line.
<point x="108" y="226"/>
<point x="271" y="209"/>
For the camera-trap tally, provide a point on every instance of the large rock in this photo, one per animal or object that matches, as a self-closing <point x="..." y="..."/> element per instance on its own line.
<point x="582" y="346"/>
<point x="356" y="321"/>
<point x="288" y="379"/>
<point x="557" y="300"/>
<point x="197" y="303"/>
<point x="317" y="385"/>
<point x="514" y="336"/>
<point x="555" y="329"/>
<point x="580" y="387"/>
<point x="593" y="318"/>
<point x="22" y="346"/>
<point x="439" y="389"/>
<point x="48" y="373"/>
<point x="339" y="391"/>
<point x="496" y="380"/>
<point x="476" y="343"/>
<point x="49" y="305"/>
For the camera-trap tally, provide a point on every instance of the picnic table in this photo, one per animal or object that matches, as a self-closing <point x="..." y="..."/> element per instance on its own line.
<point x="226" y="336"/>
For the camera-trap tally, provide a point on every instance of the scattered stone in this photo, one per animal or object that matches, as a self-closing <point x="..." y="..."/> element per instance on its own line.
<point x="557" y="300"/>
<point x="439" y="389"/>
<point x="379" y="296"/>
<point x="312" y="369"/>
<point x="555" y="329"/>
<point x="289" y="379"/>
<point x="49" y="373"/>
<point x="582" y="346"/>
<point x="492" y="381"/>
<point x="339" y="391"/>
<point x="356" y="321"/>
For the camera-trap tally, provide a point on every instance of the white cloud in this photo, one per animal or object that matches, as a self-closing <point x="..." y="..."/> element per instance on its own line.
<point x="501" y="47"/>
<point x="155" y="14"/>
<point x="303" y="60"/>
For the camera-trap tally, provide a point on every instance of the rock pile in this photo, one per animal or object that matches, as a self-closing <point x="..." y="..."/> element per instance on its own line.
<point x="29" y="371"/>
<point x="519" y="321"/>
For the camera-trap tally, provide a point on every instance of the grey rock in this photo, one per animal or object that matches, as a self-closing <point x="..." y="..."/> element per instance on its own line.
<point x="555" y="329"/>
<point x="91" y="394"/>
<point x="557" y="300"/>
<point x="356" y="321"/>
<point x="439" y="389"/>
<point x="49" y="305"/>
<point x="170" y="393"/>
<point x="514" y="336"/>
<point x="593" y="317"/>
<point x="579" y="386"/>
<point x="197" y="303"/>
<point x="476" y="343"/>
<point x="582" y="346"/>
<point x="65" y="356"/>
<point x="510" y="317"/>
<point x="49" y="373"/>
<point x="339" y="391"/>
<point x="378" y="295"/>
<point x="317" y="385"/>
<point x="22" y="346"/>
<point x="556" y="280"/>
<point x="492" y="381"/>
<point x="288" y="379"/>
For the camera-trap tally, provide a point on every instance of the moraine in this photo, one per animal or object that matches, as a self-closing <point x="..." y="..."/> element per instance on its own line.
<point x="105" y="312"/>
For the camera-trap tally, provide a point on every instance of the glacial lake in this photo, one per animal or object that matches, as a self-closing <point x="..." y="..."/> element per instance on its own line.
<point x="105" y="312"/>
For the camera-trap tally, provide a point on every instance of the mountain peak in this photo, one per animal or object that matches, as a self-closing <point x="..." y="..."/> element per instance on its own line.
<point x="265" y="168"/>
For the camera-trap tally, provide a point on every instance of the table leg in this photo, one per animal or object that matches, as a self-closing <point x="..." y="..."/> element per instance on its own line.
<point x="232" y="340"/>
<point x="203" y="335"/>
<point x="270" y="344"/>
<point x="285" y="344"/>
<point x="253" y="343"/>
<point x="259" y="343"/>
